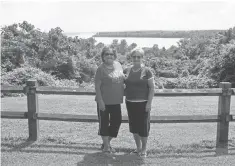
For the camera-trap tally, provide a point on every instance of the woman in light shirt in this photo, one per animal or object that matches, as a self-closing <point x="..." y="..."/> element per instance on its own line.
<point x="109" y="86"/>
<point x="139" y="94"/>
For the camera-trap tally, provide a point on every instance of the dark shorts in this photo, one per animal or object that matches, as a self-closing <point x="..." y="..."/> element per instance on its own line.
<point x="139" y="119"/>
<point x="109" y="120"/>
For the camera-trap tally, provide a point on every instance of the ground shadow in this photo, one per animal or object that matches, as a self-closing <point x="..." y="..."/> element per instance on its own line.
<point x="45" y="151"/>
<point x="188" y="155"/>
<point x="16" y="147"/>
<point x="27" y="146"/>
<point x="100" y="158"/>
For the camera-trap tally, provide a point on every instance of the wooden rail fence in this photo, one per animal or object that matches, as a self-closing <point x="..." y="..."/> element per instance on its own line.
<point x="33" y="115"/>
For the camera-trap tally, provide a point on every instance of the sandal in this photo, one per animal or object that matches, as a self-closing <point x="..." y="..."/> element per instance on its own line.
<point x="111" y="149"/>
<point x="134" y="152"/>
<point x="102" y="147"/>
<point x="106" y="151"/>
<point x="144" y="155"/>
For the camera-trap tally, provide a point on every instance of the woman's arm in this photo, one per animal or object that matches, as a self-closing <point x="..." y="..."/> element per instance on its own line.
<point x="151" y="93"/>
<point x="98" y="91"/>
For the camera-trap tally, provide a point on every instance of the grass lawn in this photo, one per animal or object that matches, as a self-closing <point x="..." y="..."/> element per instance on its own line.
<point x="75" y="143"/>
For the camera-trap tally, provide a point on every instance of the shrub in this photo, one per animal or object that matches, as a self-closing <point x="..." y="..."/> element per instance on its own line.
<point x="170" y="83"/>
<point x="166" y="73"/>
<point x="185" y="73"/>
<point x="19" y="76"/>
<point x="159" y="83"/>
<point x="66" y="83"/>
<point x="190" y="82"/>
<point x="87" y="69"/>
<point x="67" y="70"/>
<point x="194" y="82"/>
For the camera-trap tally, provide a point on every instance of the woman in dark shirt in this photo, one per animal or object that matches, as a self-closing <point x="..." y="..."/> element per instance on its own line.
<point x="139" y="94"/>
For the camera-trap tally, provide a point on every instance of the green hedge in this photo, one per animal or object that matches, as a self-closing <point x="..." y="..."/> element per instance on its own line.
<point x="19" y="76"/>
<point x="190" y="82"/>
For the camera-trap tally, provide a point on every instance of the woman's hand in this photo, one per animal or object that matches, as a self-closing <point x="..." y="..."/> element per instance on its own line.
<point x="101" y="105"/>
<point x="148" y="107"/>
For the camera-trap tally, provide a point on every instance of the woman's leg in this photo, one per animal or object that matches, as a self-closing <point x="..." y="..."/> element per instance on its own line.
<point x="105" y="143"/>
<point x="115" y="120"/>
<point x="145" y="127"/>
<point x="134" y="123"/>
<point x="110" y="138"/>
<point x="144" y="144"/>
<point x="137" y="139"/>
<point x="103" y="117"/>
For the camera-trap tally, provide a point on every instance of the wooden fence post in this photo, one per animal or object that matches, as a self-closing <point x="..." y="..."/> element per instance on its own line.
<point x="223" y="125"/>
<point x="32" y="102"/>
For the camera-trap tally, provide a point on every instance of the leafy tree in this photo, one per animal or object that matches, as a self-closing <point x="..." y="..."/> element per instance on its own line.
<point x="123" y="47"/>
<point x="132" y="46"/>
<point x="195" y="62"/>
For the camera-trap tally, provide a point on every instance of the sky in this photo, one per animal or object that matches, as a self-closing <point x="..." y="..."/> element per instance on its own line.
<point x="98" y="16"/>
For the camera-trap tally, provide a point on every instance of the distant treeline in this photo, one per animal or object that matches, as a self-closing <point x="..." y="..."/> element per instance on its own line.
<point x="160" y="34"/>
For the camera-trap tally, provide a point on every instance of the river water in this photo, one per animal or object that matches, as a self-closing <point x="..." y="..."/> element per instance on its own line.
<point x="141" y="42"/>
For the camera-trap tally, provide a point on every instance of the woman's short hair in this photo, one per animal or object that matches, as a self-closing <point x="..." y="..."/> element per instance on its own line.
<point x="105" y="49"/>
<point x="137" y="50"/>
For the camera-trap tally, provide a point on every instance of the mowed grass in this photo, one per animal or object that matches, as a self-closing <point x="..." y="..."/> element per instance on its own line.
<point x="80" y="139"/>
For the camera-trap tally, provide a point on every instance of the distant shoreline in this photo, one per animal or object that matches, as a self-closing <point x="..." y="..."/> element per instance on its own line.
<point x="140" y="41"/>
<point x="144" y="38"/>
<point x="150" y="33"/>
<point x="159" y="34"/>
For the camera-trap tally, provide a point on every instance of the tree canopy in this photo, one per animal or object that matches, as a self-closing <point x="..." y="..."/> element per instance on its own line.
<point x="196" y="62"/>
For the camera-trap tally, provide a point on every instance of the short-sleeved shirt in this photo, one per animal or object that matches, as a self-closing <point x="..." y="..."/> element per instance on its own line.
<point x="112" y="83"/>
<point x="137" y="88"/>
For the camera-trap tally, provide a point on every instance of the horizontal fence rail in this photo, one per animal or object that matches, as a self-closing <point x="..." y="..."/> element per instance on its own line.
<point x="81" y="91"/>
<point x="94" y="118"/>
<point x="14" y="115"/>
<point x="224" y="92"/>
<point x="12" y="89"/>
<point x="153" y="119"/>
<point x="64" y="91"/>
